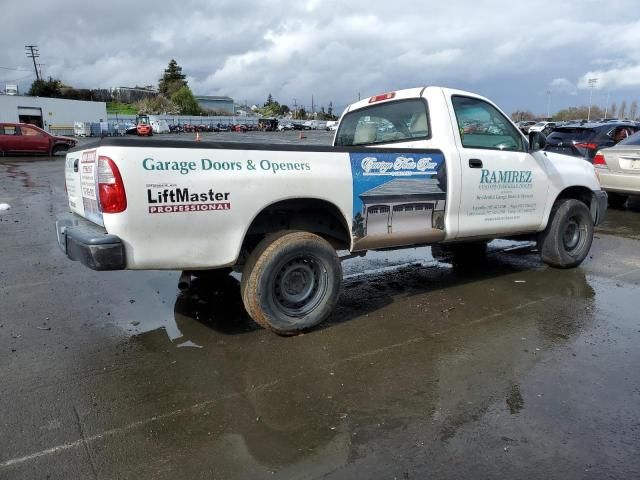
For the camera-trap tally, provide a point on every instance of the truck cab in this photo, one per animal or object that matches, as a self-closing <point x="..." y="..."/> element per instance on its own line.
<point x="494" y="176"/>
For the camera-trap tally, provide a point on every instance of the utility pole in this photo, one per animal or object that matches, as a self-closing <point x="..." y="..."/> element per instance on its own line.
<point x="295" y="109"/>
<point x="592" y="83"/>
<point x="606" y="105"/>
<point x="32" y="52"/>
<point x="312" y="106"/>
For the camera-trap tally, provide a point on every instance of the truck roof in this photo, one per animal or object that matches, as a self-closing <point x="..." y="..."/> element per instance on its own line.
<point x="406" y="93"/>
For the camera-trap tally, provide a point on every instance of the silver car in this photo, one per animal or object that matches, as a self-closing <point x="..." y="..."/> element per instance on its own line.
<point x="618" y="168"/>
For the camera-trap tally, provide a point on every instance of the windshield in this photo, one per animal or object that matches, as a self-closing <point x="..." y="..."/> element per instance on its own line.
<point x="632" y="140"/>
<point x="385" y="123"/>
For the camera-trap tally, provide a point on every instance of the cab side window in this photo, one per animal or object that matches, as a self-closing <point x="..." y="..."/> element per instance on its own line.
<point x="481" y="125"/>
<point x="31" y="132"/>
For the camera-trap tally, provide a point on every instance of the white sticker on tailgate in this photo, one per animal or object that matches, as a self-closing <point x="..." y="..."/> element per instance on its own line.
<point x="88" y="185"/>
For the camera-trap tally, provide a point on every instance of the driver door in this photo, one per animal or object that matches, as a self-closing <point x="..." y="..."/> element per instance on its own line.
<point x="504" y="187"/>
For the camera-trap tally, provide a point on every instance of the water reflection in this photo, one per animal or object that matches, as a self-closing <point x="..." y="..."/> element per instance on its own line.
<point x="321" y="400"/>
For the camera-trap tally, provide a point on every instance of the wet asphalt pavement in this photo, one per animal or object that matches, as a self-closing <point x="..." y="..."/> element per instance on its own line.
<point x="512" y="370"/>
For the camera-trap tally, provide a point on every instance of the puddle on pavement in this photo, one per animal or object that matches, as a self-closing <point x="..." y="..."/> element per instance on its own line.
<point x="15" y="172"/>
<point x="404" y="374"/>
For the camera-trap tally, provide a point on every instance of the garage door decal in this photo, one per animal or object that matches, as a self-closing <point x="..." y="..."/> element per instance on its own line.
<point x="398" y="199"/>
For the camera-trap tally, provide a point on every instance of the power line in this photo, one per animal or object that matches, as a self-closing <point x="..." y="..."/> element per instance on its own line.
<point x="32" y="52"/>
<point x="17" y="79"/>
<point x="16" y="69"/>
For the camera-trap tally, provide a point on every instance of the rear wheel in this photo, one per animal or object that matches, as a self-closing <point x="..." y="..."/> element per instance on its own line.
<point x="617" y="200"/>
<point x="291" y="282"/>
<point x="567" y="239"/>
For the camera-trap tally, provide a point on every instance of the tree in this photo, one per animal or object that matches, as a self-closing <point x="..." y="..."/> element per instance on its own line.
<point x="155" y="105"/>
<point x="613" y="109"/>
<point x="186" y="102"/>
<point x="172" y="80"/>
<point x="633" y="110"/>
<point x="520" y="115"/>
<point x="269" y="101"/>
<point x="582" y="112"/>
<point x="45" y="88"/>
<point x="623" y="109"/>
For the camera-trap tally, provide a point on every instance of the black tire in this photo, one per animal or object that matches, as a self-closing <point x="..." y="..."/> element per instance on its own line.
<point x="617" y="200"/>
<point x="291" y="282"/>
<point x="59" y="149"/>
<point x="567" y="239"/>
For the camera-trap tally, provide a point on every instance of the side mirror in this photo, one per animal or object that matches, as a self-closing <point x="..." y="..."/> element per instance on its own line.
<point x="537" y="141"/>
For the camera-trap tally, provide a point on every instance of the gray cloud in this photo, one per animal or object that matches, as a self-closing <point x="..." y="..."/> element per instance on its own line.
<point x="510" y="51"/>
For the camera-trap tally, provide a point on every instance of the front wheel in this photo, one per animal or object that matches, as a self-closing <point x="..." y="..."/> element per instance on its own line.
<point x="567" y="239"/>
<point x="291" y="282"/>
<point x="58" y="150"/>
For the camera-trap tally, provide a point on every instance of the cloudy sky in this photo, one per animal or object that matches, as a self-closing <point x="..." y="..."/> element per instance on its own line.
<point x="511" y="51"/>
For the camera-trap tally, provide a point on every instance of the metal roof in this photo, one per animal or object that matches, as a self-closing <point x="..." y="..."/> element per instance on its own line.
<point x="404" y="187"/>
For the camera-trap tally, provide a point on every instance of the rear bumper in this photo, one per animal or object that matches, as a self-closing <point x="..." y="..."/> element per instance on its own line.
<point x="599" y="206"/>
<point x="619" y="182"/>
<point x="89" y="243"/>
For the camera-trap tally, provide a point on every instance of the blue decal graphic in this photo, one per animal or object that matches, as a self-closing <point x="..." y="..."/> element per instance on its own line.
<point x="398" y="199"/>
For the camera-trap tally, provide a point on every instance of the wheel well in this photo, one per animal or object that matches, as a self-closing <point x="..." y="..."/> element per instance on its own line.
<point x="309" y="214"/>
<point x="584" y="194"/>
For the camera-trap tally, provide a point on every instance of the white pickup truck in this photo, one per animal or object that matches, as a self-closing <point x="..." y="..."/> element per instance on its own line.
<point x="420" y="166"/>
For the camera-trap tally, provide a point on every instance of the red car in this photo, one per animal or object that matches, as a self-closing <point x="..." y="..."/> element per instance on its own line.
<point x="25" y="138"/>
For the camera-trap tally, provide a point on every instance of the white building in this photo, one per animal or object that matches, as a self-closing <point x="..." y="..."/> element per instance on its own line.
<point x="52" y="114"/>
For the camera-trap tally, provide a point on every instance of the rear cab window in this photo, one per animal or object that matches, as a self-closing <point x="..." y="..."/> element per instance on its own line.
<point x="398" y="121"/>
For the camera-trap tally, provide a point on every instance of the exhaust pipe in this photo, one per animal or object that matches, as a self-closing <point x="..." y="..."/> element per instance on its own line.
<point x="184" y="283"/>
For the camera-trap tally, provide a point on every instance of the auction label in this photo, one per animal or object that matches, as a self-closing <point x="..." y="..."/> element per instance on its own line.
<point x="88" y="186"/>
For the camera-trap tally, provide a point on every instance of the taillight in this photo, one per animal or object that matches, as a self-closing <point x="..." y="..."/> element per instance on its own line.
<point x="589" y="146"/>
<point x="383" y="96"/>
<point x="599" y="160"/>
<point x="113" y="198"/>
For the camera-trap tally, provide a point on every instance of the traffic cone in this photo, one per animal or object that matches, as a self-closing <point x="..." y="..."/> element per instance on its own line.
<point x="301" y="136"/>
<point x="197" y="136"/>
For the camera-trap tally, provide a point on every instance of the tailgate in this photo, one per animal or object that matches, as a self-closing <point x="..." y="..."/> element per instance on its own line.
<point x="81" y="183"/>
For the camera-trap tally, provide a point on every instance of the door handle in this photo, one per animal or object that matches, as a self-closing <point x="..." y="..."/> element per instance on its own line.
<point x="475" y="163"/>
<point x="75" y="165"/>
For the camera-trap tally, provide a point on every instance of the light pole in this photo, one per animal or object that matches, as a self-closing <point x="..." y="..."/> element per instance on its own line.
<point x="548" y="104"/>
<point x="592" y="83"/>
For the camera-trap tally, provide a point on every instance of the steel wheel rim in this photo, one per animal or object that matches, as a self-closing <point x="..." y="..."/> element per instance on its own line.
<point x="573" y="236"/>
<point x="299" y="286"/>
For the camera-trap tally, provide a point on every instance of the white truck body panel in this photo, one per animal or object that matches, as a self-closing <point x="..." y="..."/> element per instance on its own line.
<point x="190" y="208"/>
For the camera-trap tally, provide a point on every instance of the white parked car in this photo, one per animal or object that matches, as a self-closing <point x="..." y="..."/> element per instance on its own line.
<point x="541" y="126"/>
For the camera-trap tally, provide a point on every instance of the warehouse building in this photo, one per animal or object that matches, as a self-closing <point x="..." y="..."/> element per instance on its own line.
<point x="222" y="105"/>
<point x="55" y="115"/>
